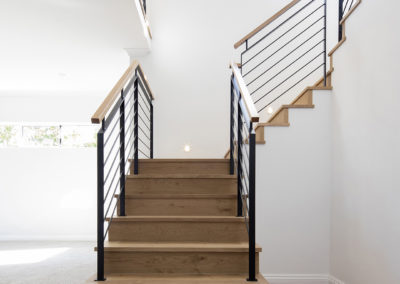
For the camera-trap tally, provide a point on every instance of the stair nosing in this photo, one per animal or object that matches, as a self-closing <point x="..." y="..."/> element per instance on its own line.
<point x="202" y="219"/>
<point x="178" y="196"/>
<point x="181" y="176"/>
<point x="115" y="246"/>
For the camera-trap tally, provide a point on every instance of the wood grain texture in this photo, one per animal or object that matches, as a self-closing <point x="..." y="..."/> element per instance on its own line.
<point x="248" y="101"/>
<point x="181" y="185"/>
<point x="178" y="205"/>
<point x="177" y="247"/>
<point x="183" y="166"/>
<point x="175" y="229"/>
<point x="193" y="263"/>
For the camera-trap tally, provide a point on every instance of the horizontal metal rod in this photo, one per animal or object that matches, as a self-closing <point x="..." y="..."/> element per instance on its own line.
<point x="112" y="130"/>
<point x="112" y="182"/>
<point x="144" y="154"/>
<point x="144" y="144"/>
<point x="111" y="217"/>
<point x="148" y="118"/>
<point x="345" y="6"/>
<point x="144" y="133"/>
<point x="286" y="44"/>
<point x="280" y="84"/>
<point x="285" y="33"/>
<point x="144" y="102"/>
<point x="112" y="166"/>
<point x="280" y="25"/>
<point x="284" y="57"/>
<point x="292" y="86"/>
<point x="108" y="208"/>
<point x="284" y="69"/>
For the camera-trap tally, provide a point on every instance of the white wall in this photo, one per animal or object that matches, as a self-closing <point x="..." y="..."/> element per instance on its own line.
<point x="188" y="70"/>
<point x="48" y="194"/>
<point x="365" y="246"/>
<point x="293" y="193"/>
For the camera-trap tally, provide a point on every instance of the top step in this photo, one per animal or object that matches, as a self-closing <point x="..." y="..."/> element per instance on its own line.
<point x="182" y="166"/>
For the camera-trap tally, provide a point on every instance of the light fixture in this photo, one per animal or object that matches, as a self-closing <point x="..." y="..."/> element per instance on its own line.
<point x="187" y="148"/>
<point x="270" y="110"/>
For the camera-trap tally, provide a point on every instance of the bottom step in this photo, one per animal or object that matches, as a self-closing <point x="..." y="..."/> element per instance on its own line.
<point x="148" y="279"/>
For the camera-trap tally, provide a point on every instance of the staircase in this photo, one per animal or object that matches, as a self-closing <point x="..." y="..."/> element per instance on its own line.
<point x="193" y="220"/>
<point x="180" y="222"/>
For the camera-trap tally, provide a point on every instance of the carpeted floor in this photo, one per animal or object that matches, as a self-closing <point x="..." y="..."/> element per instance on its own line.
<point x="46" y="262"/>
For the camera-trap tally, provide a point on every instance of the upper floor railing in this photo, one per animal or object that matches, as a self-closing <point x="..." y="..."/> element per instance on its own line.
<point x="243" y="158"/>
<point x="285" y="52"/>
<point x="346" y="7"/>
<point x="126" y="134"/>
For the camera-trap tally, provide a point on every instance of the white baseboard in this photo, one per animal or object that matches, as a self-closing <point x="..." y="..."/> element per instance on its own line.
<point x="301" y="279"/>
<point x="48" y="238"/>
<point x="334" y="280"/>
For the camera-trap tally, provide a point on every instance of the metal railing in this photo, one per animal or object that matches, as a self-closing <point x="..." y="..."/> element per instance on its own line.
<point x="286" y="54"/>
<point x="126" y="133"/>
<point x="243" y="160"/>
<point x="344" y="8"/>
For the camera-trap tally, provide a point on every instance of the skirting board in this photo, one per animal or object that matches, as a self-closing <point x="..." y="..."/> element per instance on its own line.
<point x="301" y="279"/>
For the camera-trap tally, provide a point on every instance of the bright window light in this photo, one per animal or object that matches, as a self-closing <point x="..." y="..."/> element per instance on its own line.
<point x="10" y="257"/>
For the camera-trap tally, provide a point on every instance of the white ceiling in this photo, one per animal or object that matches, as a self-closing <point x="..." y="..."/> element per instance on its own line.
<point x="66" y="46"/>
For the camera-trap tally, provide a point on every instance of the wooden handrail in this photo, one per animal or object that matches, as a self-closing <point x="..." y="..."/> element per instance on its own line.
<point x="251" y="108"/>
<point x="266" y="23"/>
<point x="114" y="94"/>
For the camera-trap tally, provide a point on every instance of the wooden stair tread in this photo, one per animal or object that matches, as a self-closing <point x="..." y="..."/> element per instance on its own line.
<point x="178" y="279"/>
<point x="177" y="196"/>
<point x="177" y="247"/>
<point x="181" y="160"/>
<point x="205" y="219"/>
<point x="181" y="176"/>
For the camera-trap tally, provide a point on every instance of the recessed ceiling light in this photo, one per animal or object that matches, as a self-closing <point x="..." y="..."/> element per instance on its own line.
<point x="187" y="148"/>
<point x="270" y="110"/>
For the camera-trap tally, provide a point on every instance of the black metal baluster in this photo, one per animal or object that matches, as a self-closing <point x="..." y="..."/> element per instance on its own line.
<point x="239" y="160"/>
<point x="151" y="130"/>
<point x="100" y="203"/>
<point x="136" y="126"/>
<point x="252" y="205"/>
<point x="122" y="155"/>
<point x="340" y="19"/>
<point x="232" y="121"/>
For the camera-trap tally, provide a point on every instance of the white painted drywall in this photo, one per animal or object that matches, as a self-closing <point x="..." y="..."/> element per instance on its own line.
<point x="188" y="68"/>
<point x="48" y="194"/>
<point x="365" y="246"/>
<point x="293" y="192"/>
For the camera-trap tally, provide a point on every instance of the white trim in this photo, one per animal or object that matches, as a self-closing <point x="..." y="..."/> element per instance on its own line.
<point x="334" y="280"/>
<point x="301" y="279"/>
<point x="297" y="278"/>
<point x="49" y="238"/>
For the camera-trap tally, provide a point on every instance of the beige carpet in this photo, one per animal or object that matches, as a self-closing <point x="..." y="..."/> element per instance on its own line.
<point x="46" y="262"/>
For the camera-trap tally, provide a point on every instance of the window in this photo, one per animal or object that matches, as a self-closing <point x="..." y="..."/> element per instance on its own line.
<point x="37" y="135"/>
